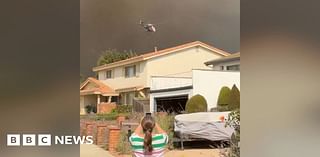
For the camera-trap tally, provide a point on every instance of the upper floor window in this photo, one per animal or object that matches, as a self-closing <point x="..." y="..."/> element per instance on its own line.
<point x="130" y="71"/>
<point x="233" y="67"/>
<point x="108" y="74"/>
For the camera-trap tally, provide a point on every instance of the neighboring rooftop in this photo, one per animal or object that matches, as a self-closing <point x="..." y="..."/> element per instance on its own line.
<point x="97" y="88"/>
<point x="232" y="57"/>
<point x="159" y="53"/>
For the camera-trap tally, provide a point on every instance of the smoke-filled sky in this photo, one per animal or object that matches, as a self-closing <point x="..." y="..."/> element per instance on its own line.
<point x="113" y="24"/>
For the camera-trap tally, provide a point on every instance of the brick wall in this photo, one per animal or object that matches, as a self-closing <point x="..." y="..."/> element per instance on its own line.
<point x="114" y="136"/>
<point x="102" y="134"/>
<point x="99" y="130"/>
<point x="105" y="107"/>
<point x="82" y="127"/>
<point x="106" y="134"/>
<point x="91" y="130"/>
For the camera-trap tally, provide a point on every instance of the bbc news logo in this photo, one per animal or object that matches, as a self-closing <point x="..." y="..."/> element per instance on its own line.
<point x="45" y="140"/>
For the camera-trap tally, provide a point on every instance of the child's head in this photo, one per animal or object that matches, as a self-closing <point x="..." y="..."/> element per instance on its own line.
<point x="148" y="123"/>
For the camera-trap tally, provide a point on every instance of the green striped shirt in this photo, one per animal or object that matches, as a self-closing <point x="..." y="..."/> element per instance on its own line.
<point x="159" y="141"/>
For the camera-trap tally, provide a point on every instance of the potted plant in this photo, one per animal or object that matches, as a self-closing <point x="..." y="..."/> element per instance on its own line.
<point x="88" y="109"/>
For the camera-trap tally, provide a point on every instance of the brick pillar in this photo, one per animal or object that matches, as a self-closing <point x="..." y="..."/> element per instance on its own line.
<point x="82" y="128"/>
<point x="90" y="128"/>
<point x="120" y="119"/>
<point x="114" y="137"/>
<point x="102" y="134"/>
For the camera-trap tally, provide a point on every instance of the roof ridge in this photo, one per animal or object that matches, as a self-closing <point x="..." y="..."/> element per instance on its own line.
<point x="148" y="55"/>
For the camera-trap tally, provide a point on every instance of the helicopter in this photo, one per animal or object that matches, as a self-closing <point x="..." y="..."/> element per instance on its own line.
<point x="148" y="27"/>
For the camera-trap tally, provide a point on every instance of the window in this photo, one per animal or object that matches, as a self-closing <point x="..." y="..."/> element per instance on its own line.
<point x="108" y="74"/>
<point x="233" y="67"/>
<point x="130" y="71"/>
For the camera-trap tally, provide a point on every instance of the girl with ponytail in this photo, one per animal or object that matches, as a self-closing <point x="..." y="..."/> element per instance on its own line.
<point x="148" y="140"/>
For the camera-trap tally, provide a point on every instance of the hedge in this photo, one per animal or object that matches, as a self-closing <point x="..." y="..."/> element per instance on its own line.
<point x="196" y="103"/>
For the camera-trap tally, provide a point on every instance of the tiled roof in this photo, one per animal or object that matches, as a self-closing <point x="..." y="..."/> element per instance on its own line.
<point x="99" y="88"/>
<point x="159" y="53"/>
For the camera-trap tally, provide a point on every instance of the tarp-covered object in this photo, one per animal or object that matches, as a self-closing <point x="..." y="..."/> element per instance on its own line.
<point x="203" y="125"/>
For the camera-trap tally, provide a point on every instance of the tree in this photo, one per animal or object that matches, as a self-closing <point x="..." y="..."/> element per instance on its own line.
<point x="110" y="56"/>
<point x="82" y="78"/>
<point x="223" y="99"/>
<point x="196" y="103"/>
<point x="234" y="98"/>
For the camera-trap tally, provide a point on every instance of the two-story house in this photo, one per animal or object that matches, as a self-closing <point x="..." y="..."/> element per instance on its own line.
<point x="130" y="79"/>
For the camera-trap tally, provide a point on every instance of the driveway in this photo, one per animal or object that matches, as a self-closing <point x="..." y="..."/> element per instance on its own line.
<point x="193" y="153"/>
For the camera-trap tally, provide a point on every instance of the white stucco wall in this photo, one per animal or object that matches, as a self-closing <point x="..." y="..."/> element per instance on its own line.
<point x="179" y="64"/>
<point x="208" y="83"/>
<point x="169" y="82"/>
<point x="82" y="107"/>
<point x="90" y="100"/>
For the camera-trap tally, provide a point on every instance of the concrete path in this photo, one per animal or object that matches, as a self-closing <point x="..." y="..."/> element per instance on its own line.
<point x="91" y="150"/>
<point x="193" y="153"/>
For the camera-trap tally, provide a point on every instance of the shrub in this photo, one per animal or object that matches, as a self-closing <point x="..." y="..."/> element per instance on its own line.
<point x="223" y="99"/>
<point x="234" y="98"/>
<point x="123" y="146"/>
<point x="166" y="122"/>
<point x="234" y="121"/>
<point x="109" y="116"/>
<point x="88" y="108"/>
<point x="124" y="108"/>
<point x="91" y="108"/>
<point x="196" y="103"/>
<point x="94" y="109"/>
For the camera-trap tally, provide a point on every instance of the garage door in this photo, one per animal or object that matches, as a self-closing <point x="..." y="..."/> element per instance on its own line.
<point x="175" y="104"/>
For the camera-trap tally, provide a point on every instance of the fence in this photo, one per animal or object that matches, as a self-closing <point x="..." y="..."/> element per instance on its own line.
<point x="141" y="105"/>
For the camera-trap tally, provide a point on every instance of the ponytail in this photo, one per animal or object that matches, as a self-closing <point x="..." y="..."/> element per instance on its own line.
<point x="147" y="143"/>
<point x="147" y="124"/>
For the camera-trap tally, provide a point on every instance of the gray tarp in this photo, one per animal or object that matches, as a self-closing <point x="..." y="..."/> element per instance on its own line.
<point x="203" y="125"/>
